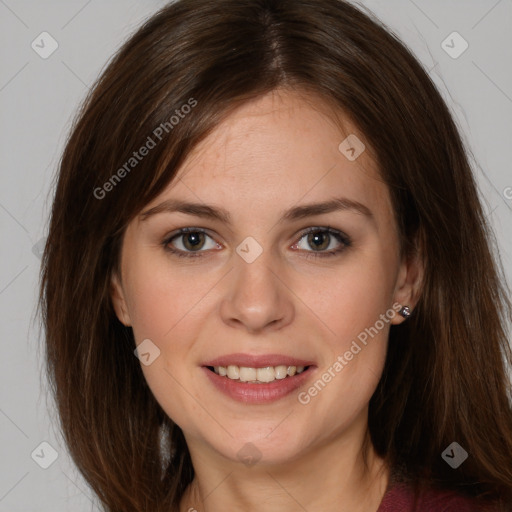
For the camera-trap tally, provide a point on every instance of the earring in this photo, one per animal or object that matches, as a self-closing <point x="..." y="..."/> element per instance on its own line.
<point x="405" y="312"/>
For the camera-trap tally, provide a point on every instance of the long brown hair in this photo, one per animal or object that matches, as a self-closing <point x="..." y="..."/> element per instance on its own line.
<point x="445" y="377"/>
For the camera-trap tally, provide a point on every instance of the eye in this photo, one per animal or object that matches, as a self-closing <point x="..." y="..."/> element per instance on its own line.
<point x="194" y="242"/>
<point x="324" y="242"/>
<point x="188" y="241"/>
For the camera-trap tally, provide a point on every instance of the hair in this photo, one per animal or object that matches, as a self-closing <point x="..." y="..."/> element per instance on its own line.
<point x="445" y="377"/>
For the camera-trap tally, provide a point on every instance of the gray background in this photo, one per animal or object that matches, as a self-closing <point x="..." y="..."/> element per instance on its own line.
<point x="38" y="98"/>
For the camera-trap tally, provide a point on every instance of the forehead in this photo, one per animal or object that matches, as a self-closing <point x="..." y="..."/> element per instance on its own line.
<point x="279" y="150"/>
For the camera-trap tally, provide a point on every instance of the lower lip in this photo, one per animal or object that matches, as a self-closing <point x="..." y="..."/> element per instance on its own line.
<point x="258" y="393"/>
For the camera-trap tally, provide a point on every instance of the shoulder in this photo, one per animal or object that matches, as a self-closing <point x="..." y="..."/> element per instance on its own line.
<point x="400" y="498"/>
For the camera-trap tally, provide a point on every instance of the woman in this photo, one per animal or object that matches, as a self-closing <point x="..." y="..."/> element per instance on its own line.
<point x="268" y="282"/>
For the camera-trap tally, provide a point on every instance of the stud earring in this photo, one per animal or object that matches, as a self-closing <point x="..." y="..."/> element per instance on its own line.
<point x="405" y="311"/>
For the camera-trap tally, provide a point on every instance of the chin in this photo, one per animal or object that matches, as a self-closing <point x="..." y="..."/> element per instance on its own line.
<point x="274" y="445"/>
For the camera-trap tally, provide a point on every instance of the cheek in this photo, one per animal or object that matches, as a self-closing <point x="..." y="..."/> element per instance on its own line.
<point x="162" y="300"/>
<point x="352" y="298"/>
<point x="353" y="302"/>
<point x="169" y="308"/>
<point x="166" y="310"/>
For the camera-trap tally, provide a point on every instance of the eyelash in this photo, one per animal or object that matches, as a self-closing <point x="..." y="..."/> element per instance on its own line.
<point x="338" y="235"/>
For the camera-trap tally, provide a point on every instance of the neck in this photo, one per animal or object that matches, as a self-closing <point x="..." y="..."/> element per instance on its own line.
<point x="332" y="477"/>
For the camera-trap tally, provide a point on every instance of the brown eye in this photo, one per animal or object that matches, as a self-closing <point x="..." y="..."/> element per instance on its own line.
<point x="190" y="242"/>
<point x="319" y="240"/>
<point x="193" y="241"/>
<point x="322" y="242"/>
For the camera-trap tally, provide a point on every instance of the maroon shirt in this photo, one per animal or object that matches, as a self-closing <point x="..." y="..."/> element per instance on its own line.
<point x="400" y="498"/>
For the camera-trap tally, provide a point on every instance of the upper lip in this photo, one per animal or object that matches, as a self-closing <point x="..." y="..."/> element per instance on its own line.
<point x="257" y="361"/>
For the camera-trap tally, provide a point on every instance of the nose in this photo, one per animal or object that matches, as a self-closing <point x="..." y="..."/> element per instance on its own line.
<point x="257" y="298"/>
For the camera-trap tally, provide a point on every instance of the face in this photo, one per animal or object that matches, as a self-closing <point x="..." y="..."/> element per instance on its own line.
<point x="264" y="281"/>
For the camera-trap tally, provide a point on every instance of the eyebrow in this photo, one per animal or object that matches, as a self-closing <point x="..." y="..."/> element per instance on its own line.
<point x="295" y="213"/>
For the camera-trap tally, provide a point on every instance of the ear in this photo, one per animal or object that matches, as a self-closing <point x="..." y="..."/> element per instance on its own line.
<point x="118" y="300"/>
<point x="409" y="283"/>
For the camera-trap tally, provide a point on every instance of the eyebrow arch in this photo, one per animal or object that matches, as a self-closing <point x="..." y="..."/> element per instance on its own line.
<point x="295" y="213"/>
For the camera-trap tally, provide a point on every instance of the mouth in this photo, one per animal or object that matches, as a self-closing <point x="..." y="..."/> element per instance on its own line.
<point x="258" y="379"/>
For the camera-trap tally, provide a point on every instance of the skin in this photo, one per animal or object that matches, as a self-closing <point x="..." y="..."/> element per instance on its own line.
<point x="270" y="155"/>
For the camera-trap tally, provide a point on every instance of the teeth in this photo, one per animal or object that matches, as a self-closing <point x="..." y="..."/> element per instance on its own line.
<point x="265" y="374"/>
<point x="233" y="372"/>
<point x="280" y="372"/>
<point x="292" y="370"/>
<point x="247" y="374"/>
<point x="258" y="375"/>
